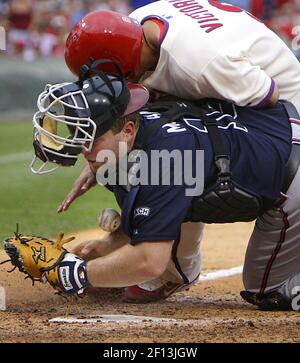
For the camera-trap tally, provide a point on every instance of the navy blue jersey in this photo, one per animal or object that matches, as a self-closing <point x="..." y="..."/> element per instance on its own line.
<point x="258" y="142"/>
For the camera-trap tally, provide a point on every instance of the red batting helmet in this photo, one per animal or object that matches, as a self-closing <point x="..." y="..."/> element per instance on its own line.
<point x="105" y="35"/>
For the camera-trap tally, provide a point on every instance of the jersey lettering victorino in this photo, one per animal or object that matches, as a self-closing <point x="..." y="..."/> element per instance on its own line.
<point x="206" y="20"/>
<point x="216" y="50"/>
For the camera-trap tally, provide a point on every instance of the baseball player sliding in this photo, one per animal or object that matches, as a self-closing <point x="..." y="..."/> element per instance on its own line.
<point x="250" y="171"/>
<point x="191" y="49"/>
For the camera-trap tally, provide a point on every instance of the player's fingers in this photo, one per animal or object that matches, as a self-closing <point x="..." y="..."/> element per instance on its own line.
<point x="61" y="207"/>
<point x="69" y="200"/>
<point x="88" y="184"/>
<point x="86" y="251"/>
<point x="79" y="188"/>
<point x="76" y="249"/>
<point x="93" y="249"/>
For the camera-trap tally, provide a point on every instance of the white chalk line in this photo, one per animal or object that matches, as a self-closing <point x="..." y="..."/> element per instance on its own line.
<point x="17" y="157"/>
<point x="220" y="274"/>
<point x="110" y="319"/>
<point x="145" y="321"/>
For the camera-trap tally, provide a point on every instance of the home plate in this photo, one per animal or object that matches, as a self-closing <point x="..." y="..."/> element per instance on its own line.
<point x="2" y="299"/>
<point x="108" y="319"/>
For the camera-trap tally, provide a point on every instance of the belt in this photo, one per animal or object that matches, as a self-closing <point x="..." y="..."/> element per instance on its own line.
<point x="294" y="158"/>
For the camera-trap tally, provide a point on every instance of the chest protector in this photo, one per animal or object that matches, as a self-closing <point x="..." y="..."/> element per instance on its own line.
<point x="223" y="200"/>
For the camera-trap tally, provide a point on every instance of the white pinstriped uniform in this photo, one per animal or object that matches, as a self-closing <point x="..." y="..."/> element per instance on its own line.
<point x="235" y="61"/>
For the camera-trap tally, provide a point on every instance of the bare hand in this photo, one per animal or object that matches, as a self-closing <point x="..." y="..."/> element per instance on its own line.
<point x="84" y="182"/>
<point x="89" y="250"/>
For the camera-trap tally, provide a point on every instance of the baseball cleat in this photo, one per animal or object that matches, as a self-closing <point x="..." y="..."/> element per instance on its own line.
<point x="267" y="302"/>
<point x="154" y="290"/>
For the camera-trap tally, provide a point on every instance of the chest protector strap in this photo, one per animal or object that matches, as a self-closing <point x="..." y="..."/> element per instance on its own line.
<point x="223" y="201"/>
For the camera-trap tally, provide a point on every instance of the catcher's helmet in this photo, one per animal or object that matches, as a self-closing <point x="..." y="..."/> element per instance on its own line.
<point x="105" y="34"/>
<point x="72" y="115"/>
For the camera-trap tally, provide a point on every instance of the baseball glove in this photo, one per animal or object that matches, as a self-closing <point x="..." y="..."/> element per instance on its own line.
<point x="47" y="261"/>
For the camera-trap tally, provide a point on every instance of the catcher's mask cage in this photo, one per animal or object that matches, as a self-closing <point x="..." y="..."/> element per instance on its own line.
<point x="71" y="115"/>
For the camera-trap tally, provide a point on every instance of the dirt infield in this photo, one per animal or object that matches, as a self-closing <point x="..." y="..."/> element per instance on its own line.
<point x="211" y="311"/>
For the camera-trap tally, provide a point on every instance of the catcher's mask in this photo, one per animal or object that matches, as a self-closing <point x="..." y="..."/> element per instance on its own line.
<point x="71" y="115"/>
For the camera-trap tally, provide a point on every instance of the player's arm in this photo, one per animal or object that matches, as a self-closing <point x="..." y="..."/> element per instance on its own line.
<point x="130" y="265"/>
<point x="68" y="273"/>
<point x="236" y="80"/>
<point x="273" y="98"/>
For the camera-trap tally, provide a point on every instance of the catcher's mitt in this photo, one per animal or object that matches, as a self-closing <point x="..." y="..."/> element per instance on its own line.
<point x="44" y="260"/>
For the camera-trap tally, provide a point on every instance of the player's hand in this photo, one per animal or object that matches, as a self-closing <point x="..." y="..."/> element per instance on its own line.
<point x="89" y="250"/>
<point x="84" y="182"/>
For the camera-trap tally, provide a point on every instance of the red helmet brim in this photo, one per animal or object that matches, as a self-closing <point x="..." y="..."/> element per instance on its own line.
<point x="139" y="96"/>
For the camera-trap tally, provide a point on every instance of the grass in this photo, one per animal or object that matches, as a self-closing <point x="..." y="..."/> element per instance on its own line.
<point x="32" y="200"/>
